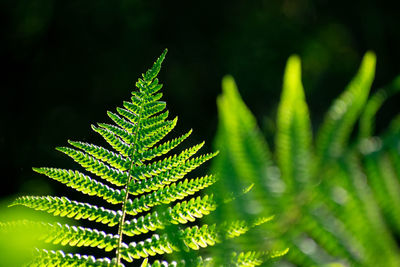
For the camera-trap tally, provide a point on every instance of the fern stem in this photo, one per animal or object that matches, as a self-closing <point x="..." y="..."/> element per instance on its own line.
<point x="122" y="220"/>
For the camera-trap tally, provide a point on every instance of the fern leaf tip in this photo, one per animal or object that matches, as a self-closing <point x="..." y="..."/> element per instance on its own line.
<point x="295" y="57"/>
<point x="227" y="77"/>
<point x="38" y="170"/>
<point x="280" y="253"/>
<point x="228" y="84"/>
<point x="369" y="61"/>
<point x="73" y="143"/>
<point x="292" y="76"/>
<point x="164" y="53"/>
<point x="247" y="189"/>
<point x="94" y="128"/>
<point x="12" y="204"/>
<point x="144" y="263"/>
<point x="62" y="149"/>
<point x="370" y="54"/>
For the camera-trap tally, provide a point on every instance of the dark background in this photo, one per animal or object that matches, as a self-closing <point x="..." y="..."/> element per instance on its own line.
<point x="64" y="63"/>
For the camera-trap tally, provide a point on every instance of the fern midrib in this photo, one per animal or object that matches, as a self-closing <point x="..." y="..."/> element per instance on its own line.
<point x="122" y="220"/>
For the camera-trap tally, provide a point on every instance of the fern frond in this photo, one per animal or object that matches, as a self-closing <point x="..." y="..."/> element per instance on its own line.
<point x="153" y="108"/>
<point x="59" y="258"/>
<point x="150" y="247"/>
<point x="115" y="160"/>
<point x="156" y="120"/>
<point x="151" y="130"/>
<point x="336" y="128"/>
<point x="349" y="214"/>
<point x="193" y="238"/>
<point x="67" y="235"/>
<point x="329" y="238"/>
<point x="111" y="175"/>
<point x="121" y="122"/>
<point x="367" y="118"/>
<point x="138" y="183"/>
<point x="63" y="207"/>
<point x="119" y="132"/>
<point x="133" y="106"/>
<point x="186" y="211"/>
<point x="293" y="137"/>
<point x="248" y="259"/>
<point x="239" y="135"/>
<point x="255" y="258"/>
<point x="146" y="143"/>
<point x="114" y="141"/>
<point x="132" y="117"/>
<point x="386" y="186"/>
<point x="181" y="213"/>
<point x="199" y="262"/>
<point x="161" y="149"/>
<point x="83" y="183"/>
<point x="207" y="235"/>
<point x="153" y="169"/>
<point x="168" y="176"/>
<point x="168" y="194"/>
<point x="80" y="236"/>
<point x="237" y="228"/>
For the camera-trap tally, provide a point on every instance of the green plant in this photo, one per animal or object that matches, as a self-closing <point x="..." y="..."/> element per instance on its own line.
<point x="137" y="179"/>
<point x="336" y="200"/>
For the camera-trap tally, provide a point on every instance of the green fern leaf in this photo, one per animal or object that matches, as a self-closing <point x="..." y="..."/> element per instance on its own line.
<point x="121" y="122"/>
<point x="116" y="143"/>
<point x="168" y="194"/>
<point x="342" y="115"/>
<point x="115" y="160"/>
<point x="162" y="148"/>
<point x="255" y="258"/>
<point x="137" y="177"/>
<point x="96" y="167"/>
<point x="374" y="103"/>
<point x="59" y="258"/>
<point x="181" y="213"/>
<point x="83" y="183"/>
<point x="293" y="137"/>
<point x="249" y="259"/>
<point x="64" y="207"/>
<point x="193" y="237"/>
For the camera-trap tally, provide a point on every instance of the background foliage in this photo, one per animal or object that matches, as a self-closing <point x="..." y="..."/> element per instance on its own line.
<point x="335" y="194"/>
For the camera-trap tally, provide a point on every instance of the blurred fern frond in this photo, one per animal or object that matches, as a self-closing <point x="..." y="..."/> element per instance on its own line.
<point x="336" y="200"/>
<point x="134" y="176"/>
